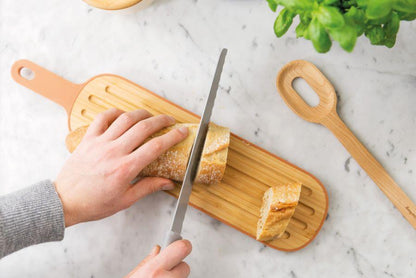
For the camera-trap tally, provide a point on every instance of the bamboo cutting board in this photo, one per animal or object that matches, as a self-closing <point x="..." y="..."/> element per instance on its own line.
<point x="112" y="4"/>
<point x="250" y="170"/>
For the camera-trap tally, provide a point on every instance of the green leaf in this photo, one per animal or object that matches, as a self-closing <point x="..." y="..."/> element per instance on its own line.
<point x="297" y="5"/>
<point x="305" y="18"/>
<point x="283" y="22"/>
<point x="319" y="36"/>
<point x="301" y="29"/>
<point x="346" y="36"/>
<point x="378" y="8"/>
<point x="408" y="6"/>
<point x="393" y="25"/>
<point x="356" y="15"/>
<point x="407" y="16"/>
<point x="272" y="5"/>
<point x="379" y="21"/>
<point x="331" y="2"/>
<point x="356" y="18"/>
<point x="330" y="17"/>
<point x="362" y="3"/>
<point x="376" y="35"/>
<point x="391" y="28"/>
<point x="346" y="4"/>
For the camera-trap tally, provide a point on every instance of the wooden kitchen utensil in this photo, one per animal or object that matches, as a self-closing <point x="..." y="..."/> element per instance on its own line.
<point x="325" y="113"/>
<point x="112" y="4"/>
<point x="249" y="173"/>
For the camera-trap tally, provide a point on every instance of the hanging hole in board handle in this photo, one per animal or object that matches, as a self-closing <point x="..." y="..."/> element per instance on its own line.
<point x="27" y="73"/>
<point x="46" y="83"/>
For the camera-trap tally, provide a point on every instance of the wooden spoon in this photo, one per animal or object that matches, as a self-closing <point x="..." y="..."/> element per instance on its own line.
<point x="325" y="113"/>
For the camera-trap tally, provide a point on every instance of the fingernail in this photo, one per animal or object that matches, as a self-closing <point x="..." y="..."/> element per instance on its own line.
<point x="183" y="130"/>
<point x="168" y="186"/>
<point x="171" y="119"/>
<point x="155" y="250"/>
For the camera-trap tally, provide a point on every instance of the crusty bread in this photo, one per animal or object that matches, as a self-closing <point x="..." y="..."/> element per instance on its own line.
<point x="279" y="203"/>
<point x="172" y="164"/>
<point x="74" y="138"/>
<point x="214" y="155"/>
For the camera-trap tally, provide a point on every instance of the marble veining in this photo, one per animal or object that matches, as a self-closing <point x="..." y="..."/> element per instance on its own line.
<point x="171" y="48"/>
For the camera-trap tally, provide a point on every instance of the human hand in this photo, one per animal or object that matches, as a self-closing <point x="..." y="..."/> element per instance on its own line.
<point x="95" y="181"/>
<point x="166" y="264"/>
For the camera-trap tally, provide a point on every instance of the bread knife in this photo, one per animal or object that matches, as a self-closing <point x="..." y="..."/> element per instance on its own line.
<point x="174" y="232"/>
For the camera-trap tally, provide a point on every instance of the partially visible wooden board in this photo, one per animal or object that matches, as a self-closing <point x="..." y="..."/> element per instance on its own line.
<point x="250" y="170"/>
<point x="112" y="4"/>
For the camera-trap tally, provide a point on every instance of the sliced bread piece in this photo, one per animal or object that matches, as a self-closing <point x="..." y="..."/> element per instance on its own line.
<point x="214" y="155"/>
<point x="279" y="203"/>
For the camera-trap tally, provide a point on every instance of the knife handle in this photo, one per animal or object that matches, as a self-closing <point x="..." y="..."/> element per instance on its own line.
<point x="171" y="237"/>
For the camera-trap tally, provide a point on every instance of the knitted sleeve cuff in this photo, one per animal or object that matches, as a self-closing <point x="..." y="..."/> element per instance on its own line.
<point x="30" y="216"/>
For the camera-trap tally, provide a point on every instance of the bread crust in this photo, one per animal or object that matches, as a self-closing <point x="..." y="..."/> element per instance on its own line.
<point x="214" y="155"/>
<point x="172" y="164"/>
<point x="74" y="138"/>
<point x="279" y="203"/>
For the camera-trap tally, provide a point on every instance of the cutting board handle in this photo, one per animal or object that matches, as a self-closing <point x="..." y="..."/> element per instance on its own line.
<point x="46" y="84"/>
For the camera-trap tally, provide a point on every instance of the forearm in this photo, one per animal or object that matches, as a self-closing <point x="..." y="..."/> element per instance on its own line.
<point x="30" y="216"/>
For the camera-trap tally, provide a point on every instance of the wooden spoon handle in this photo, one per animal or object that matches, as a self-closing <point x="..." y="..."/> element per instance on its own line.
<point x="372" y="167"/>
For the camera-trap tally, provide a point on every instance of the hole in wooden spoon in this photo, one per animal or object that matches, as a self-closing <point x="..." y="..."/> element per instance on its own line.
<point x="305" y="91"/>
<point x="27" y="73"/>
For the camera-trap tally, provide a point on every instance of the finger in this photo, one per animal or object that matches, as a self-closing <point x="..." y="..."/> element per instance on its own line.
<point x="102" y="121"/>
<point x="145" y="187"/>
<point x="182" y="270"/>
<point x="155" y="251"/>
<point x="136" y="135"/>
<point x="174" y="254"/>
<point x="124" y="122"/>
<point x="151" y="150"/>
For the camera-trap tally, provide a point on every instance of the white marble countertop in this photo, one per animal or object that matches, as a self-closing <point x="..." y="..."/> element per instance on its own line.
<point x="171" y="48"/>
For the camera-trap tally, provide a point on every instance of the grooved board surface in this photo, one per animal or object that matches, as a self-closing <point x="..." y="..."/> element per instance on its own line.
<point x="250" y="170"/>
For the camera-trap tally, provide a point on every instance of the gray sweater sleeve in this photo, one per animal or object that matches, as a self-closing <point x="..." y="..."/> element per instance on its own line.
<point x="30" y="216"/>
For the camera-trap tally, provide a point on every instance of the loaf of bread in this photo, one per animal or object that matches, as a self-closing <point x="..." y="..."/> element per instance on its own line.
<point x="74" y="138"/>
<point x="172" y="164"/>
<point x="279" y="203"/>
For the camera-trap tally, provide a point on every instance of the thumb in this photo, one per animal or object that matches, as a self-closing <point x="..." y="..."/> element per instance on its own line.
<point x="147" y="186"/>
<point x="155" y="251"/>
